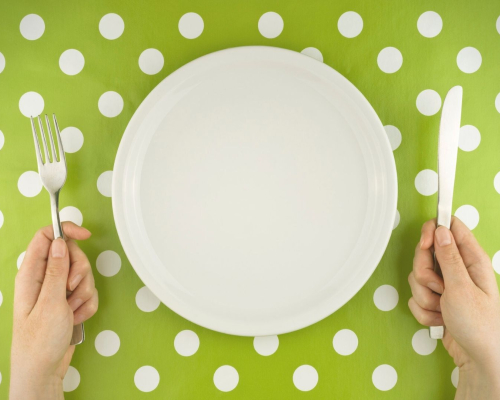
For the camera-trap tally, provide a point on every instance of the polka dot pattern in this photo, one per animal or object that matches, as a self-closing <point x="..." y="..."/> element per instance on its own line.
<point x="429" y="24"/>
<point x="191" y="25"/>
<point x="31" y="104"/>
<point x="390" y="60"/>
<point x="71" y="379"/>
<point x="29" y="184"/>
<point x="146" y="300"/>
<point x="104" y="183"/>
<point x="110" y="104"/>
<point x="32" y="27"/>
<point x="396" y="220"/>
<point x="426" y="182"/>
<point x="107" y="343"/>
<point x="422" y="342"/>
<point x="151" y="61"/>
<point x="350" y="24"/>
<point x="271" y="25"/>
<point x="469" y="138"/>
<point x="468" y="215"/>
<point x="72" y="214"/>
<point x="226" y="378"/>
<point x="266" y="345"/>
<point x="469" y="60"/>
<point x="147" y="378"/>
<point x="345" y="342"/>
<point x="20" y="259"/>
<point x="71" y="62"/>
<point x="313" y="52"/>
<point x="186" y="343"/>
<point x="428" y="102"/>
<point x="386" y="298"/>
<point x="454" y="377"/>
<point x="394" y="136"/>
<point x="111" y="26"/>
<point x="384" y="377"/>
<point x="108" y="263"/>
<point x="305" y="378"/>
<point x="2" y="62"/>
<point x="72" y="139"/>
<point x="496" y="262"/>
<point x="2" y="140"/>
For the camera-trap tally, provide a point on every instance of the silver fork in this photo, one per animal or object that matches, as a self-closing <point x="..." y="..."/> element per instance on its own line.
<point x="53" y="175"/>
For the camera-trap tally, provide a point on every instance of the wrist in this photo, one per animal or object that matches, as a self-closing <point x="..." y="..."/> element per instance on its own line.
<point x="478" y="381"/>
<point x="34" y="386"/>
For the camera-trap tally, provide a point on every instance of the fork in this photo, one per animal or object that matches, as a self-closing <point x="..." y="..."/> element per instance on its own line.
<point x="53" y="175"/>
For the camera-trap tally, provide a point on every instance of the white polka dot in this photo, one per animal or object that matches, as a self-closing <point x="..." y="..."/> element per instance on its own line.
<point x="496" y="182"/>
<point x="345" y="342"/>
<point x="32" y="27"/>
<point x="386" y="298"/>
<point x="384" y="377"/>
<point x="72" y="139"/>
<point x="428" y="102"/>
<point x="2" y="62"/>
<point x="31" y="104"/>
<point x="455" y="376"/>
<point x="108" y="263"/>
<point x="20" y="259"/>
<point x="468" y="215"/>
<point x="498" y="25"/>
<point x="469" y="138"/>
<point x="1" y="219"/>
<point x="429" y="24"/>
<point x="110" y="104"/>
<point x="422" y="342"/>
<point x="191" y="25"/>
<point x="496" y="262"/>
<point x="146" y="378"/>
<point x="146" y="300"/>
<point x="72" y="214"/>
<point x="111" y="26"/>
<point x="226" y="378"/>
<point x="271" y="25"/>
<point x="151" y="61"/>
<point x="350" y="24"/>
<point x="394" y="136"/>
<point x="104" y="183"/>
<point x="396" y="220"/>
<point x="426" y="182"/>
<point x="29" y="184"/>
<point x="497" y="102"/>
<point x="266" y="345"/>
<point x="1" y="298"/>
<point x="469" y="60"/>
<point x="305" y="378"/>
<point x="313" y="52"/>
<point x="71" y="379"/>
<point x="389" y="60"/>
<point x="71" y="62"/>
<point x="2" y="140"/>
<point x="107" y="343"/>
<point x="0" y="377"/>
<point x="186" y="343"/>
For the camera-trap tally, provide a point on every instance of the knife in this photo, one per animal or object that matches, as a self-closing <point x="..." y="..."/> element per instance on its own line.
<point x="449" y="130"/>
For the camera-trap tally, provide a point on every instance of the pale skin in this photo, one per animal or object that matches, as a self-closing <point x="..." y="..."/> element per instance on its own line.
<point x="43" y="314"/>
<point x="466" y="300"/>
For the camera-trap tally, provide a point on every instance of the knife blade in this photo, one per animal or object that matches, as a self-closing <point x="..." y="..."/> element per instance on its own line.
<point x="449" y="130"/>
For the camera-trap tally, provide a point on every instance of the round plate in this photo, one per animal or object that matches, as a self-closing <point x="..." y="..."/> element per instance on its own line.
<point x="254" y="191"/>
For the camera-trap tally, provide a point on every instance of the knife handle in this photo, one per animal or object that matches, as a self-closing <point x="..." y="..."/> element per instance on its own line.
<point x="436" y="332"/>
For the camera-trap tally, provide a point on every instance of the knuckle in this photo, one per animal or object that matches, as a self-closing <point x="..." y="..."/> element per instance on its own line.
<point x="419" y="275"/>
<point x="452" y="257"/>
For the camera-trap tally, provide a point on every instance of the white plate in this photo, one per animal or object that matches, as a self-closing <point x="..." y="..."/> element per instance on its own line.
<point x="254" y="191"/>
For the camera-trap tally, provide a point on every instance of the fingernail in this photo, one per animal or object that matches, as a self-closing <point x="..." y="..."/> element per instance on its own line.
<point x="443" y="236"/>
<point x="58" y="248"/>
<point x="435" y="287"/>
<point x="74" y="304"/>
<point x="74" y="282"/>
<point x="90" y="233"/>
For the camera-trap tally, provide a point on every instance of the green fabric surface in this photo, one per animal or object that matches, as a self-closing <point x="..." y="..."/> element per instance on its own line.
<point x="147" y="338"/>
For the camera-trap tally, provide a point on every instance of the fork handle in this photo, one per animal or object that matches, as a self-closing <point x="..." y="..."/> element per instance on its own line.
<point x="78" y="330"/>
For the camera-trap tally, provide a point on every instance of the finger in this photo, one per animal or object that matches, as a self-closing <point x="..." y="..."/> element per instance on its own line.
<point x="424" y="296"/>
<point x="425" y="317"/>
<point x="87" y="310"/>
<point x="427" y="234"/>
<point x="79" y="265"/>
<point x="475" y="258"/>
<point x="449" y="258"/>
<point x="32" y="269"/>
<point x="83" y="292"/>
<point x="56" y="273"/>
<point x="423" y="268"/>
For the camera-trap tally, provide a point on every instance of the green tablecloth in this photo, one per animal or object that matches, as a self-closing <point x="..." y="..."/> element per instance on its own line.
<point x="34" y="60"/>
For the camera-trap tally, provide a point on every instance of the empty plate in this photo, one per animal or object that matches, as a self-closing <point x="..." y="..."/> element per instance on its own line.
<point x="254" y="191"/>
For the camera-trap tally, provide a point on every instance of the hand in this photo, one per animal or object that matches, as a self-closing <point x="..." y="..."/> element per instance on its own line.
<point x="466" y="301"/>
<point x="44" y="317"/>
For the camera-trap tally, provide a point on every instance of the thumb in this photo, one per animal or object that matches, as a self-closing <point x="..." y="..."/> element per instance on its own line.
<point x="56" y="274"/>
<point x="449" y="258"/>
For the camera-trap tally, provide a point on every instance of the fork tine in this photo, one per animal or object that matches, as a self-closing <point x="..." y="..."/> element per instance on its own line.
<point x="37" y="145"/>
<point x="49" y="130"/>
<point x="42" y="132"/>
<point x="62" y="156"/>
